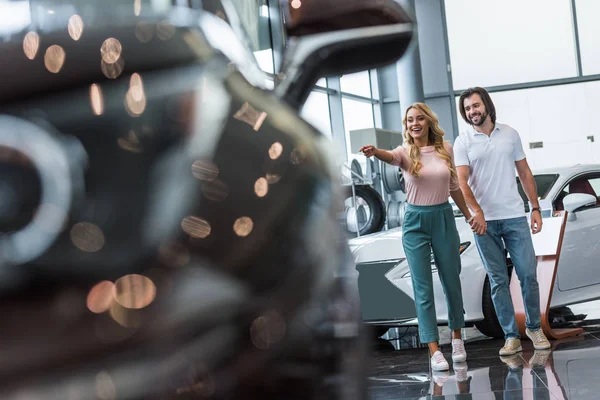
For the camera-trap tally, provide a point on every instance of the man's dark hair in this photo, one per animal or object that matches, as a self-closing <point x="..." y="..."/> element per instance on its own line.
<point x="485" y="97"/>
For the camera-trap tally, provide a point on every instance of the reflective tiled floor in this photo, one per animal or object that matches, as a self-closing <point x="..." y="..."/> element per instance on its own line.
<point x="571" y="370"/>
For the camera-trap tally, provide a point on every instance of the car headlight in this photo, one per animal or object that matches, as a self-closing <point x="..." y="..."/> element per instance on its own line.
<point x="463" y="246"/>
<point x="461" y="249"/>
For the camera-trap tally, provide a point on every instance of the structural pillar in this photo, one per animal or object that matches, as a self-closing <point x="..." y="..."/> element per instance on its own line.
<point x="410" y="77"/>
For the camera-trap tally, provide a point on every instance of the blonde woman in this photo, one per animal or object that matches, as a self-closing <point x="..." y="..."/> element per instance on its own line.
<point x="427" y="163"/>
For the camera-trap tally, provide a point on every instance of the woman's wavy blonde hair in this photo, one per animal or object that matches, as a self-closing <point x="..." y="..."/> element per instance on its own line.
<point x="435" y="137"/>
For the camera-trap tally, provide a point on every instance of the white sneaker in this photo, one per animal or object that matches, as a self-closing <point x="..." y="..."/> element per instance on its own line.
<point x="460" y="371"/>
<point x="540" y="358"/>
<point x="539" y="339"/>
<point x="459" y="354"/>
<point x="511" y="346"/>
<point x="438" y="362"/>
<point x="440" y="377"/>
<point x="513" y="362"/>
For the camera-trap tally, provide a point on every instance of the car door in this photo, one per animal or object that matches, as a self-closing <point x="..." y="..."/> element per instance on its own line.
<point x="580" y="254"/>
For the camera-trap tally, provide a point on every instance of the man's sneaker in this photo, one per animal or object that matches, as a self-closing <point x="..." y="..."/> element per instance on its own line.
<point x="511" y="346"/>
<point x="539" y="358"/>
<point x="513" y="362"/>
<point x="459" y="354"/>
<point x="539" y="339"/>
<point x="438" y="362"/>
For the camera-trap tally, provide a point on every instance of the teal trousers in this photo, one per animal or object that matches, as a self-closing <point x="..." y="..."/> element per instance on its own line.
<point x="428" y="229"/>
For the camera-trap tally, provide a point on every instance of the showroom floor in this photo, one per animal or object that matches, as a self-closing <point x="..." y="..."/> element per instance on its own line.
<point x="571" y="370"/>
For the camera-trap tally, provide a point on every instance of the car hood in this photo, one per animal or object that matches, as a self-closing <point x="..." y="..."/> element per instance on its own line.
<point x="387" y="245"/>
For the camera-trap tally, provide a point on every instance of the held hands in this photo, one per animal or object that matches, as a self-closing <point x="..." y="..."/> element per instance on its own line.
<point x="478" y="224"/>
<point x="368" y="150"/>
<point x="536" y="222"/>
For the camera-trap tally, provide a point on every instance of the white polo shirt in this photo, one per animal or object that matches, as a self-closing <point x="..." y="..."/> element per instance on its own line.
<point x="492" y="171"/>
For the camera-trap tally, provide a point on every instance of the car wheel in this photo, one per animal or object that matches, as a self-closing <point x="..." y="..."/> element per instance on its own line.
<point x="563" y="316"/>
<point x="377" y="331"/>
<point x="489" y="326"/>
<point x="370" y="216"/>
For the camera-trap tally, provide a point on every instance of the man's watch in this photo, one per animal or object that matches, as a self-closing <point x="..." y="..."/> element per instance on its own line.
<point x="536" y="209"/>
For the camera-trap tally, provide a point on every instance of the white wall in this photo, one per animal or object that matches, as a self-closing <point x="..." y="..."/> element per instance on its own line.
<point x="560" y="116"/>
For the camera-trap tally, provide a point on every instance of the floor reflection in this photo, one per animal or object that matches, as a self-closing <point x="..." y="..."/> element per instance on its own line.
<point x="570" y="370"/>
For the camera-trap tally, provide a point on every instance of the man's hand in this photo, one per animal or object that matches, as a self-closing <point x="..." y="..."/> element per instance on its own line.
<point x="536" y="222"/>
<point x="478" y="224"/>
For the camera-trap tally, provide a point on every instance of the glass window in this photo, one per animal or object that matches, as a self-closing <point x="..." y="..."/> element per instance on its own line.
<point x="511" y="41"/>
<point x="322" y="83"/>
<point x="254" y="15"/>
<point x="595" y="183"/>
<point x="358" y="84"/>
<point x="270" y="83"/>
<point x="589" y="35"/>
<point x="14" y="15"/>
<point x="583" y="185"/>
<point x="544" y="183"/>
<point x="357" y="115"/>
<point x="265" y="60"/>
<point x="316" y="112"/>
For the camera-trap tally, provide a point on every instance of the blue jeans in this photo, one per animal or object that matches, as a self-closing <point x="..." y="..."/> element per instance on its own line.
<point x="515" y="234"/>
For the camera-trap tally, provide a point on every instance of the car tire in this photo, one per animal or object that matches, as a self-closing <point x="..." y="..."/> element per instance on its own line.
<point x="376" y="206"/>
<point x="376" y="332"/>
<point x="489" y="326"/>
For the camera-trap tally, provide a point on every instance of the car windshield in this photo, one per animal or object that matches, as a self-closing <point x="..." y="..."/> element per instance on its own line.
<point x="544" y="183"/>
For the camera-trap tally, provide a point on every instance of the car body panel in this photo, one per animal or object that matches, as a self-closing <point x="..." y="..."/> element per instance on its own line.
<point x="385" y="286"/>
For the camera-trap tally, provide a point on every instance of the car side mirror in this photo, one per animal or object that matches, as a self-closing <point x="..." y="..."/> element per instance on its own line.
<point x="337" y="37"/>
<point x="575" y="201"/>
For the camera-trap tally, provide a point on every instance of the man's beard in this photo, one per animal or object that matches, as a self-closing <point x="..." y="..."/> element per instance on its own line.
<point x="482" y="119"/>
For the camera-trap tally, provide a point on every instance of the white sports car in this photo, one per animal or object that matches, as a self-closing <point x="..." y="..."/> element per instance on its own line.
<point x="384" y="278"/>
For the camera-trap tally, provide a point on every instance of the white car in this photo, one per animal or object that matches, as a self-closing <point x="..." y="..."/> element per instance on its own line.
<point x="384" y="278"/>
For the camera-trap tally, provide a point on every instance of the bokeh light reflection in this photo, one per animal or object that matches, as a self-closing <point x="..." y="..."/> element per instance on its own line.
<point x="298" y="156"/>
<point x="113" y="71"/>
<point x="96" y="99"/>
<point x="130" y="143"/>
<point x="31" y="44"/>
<point x="137" y="7"/>
<point x="87" y="237"/>
<point x="54" y="58"/>
<point x="164" y="30"/>
<point x="261" y="187"/>
<point x="243" y="226"/>
<point x="101" y="297"/>
<point x="267" y="330"/>
<point x="75" y="27"/>
<point x="272" y="178"/>
<point x="275" y="151"/>
<point x="215" y="190"/>
<point x="135" y="291"/>
<point x="205" y="170"/>
<point x="111" y="50"/>
<point x="135" y="99"/>
<point x="196" y="227"/>
<point x="144" y="31"/>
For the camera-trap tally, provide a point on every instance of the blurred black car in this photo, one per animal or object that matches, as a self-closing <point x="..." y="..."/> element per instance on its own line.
<point x="167" y="224"/>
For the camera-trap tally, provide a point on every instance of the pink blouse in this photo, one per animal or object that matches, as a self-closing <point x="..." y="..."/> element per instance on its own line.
<point x="434" y="184"/>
